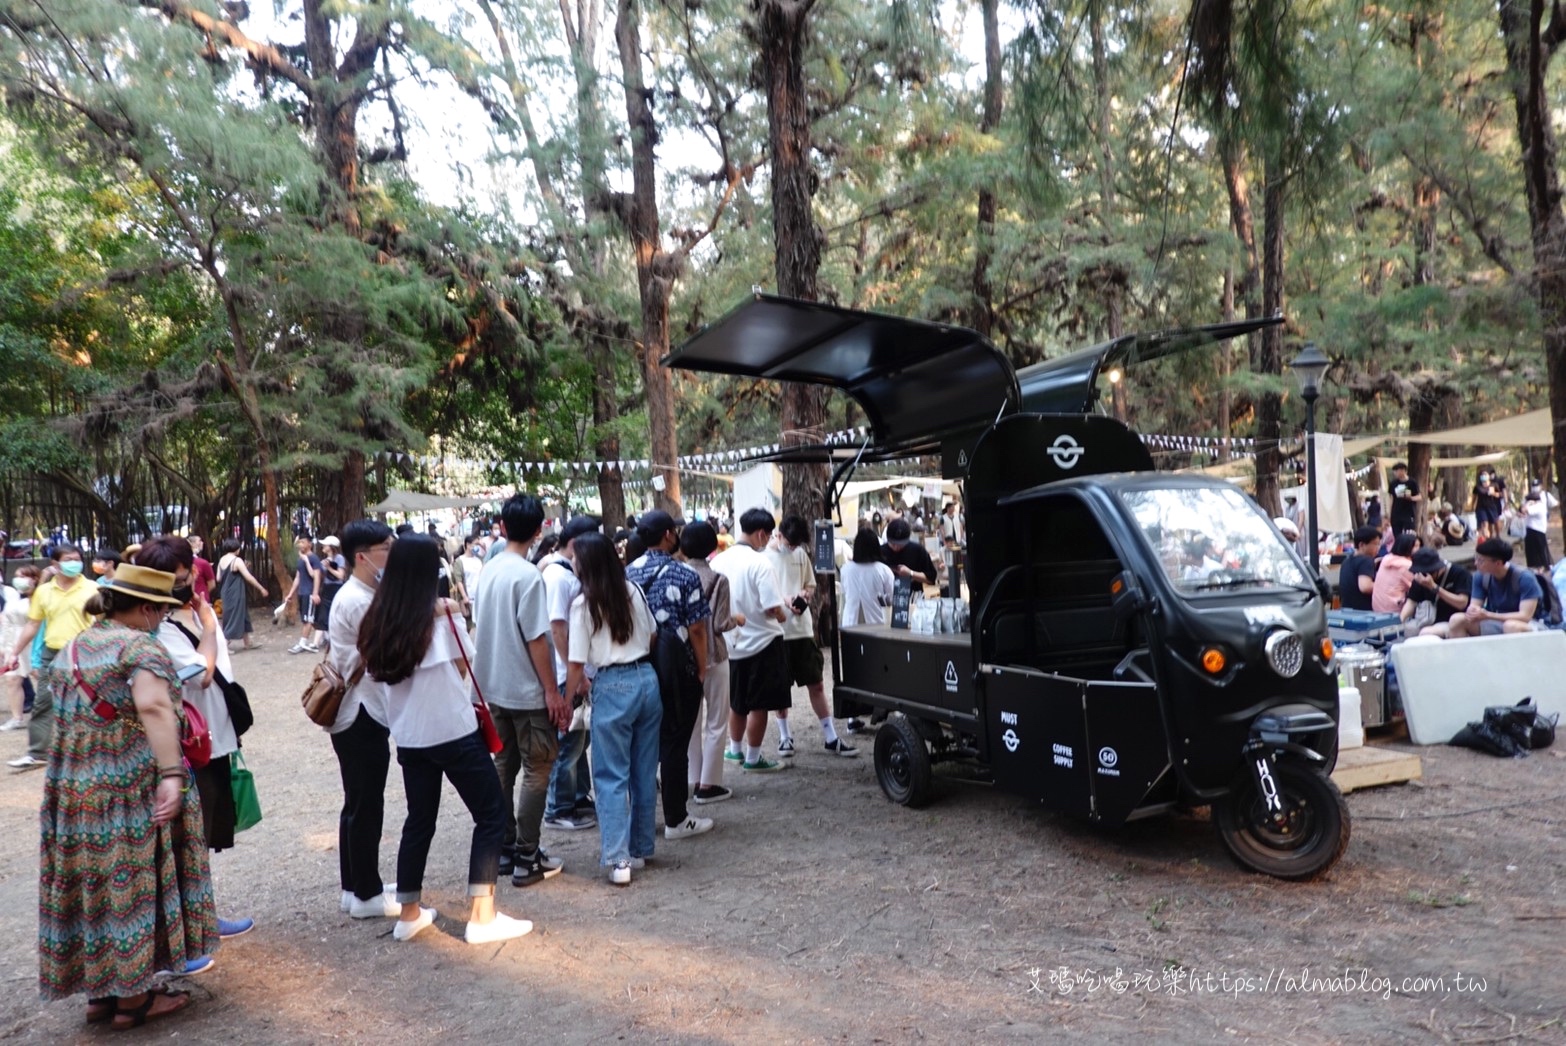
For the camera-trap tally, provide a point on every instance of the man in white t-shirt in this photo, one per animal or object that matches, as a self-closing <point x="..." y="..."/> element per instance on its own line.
<point x="569" y="805"/>
<point x="796" y="576"/>
<point x="758" y="666"/>
<point x="514" y="668"/>
<point x="360" y="736"/>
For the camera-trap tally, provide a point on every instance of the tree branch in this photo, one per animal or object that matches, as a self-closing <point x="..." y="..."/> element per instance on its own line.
<point x="262" y="55"/>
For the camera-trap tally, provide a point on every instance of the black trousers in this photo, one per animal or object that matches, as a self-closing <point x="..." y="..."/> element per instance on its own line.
<point x="363" y="756"/>
<point x="681" y="706"/>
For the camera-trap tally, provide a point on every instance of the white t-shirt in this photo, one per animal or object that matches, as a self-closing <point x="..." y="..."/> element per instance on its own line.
<point x="207" y="700"/>
<point x="795" y="572"/>
<point x="867" y="592"/>
<point x="598" y="648"/>
<point x="348" y="611"/>
<point x="433" y="706"/>
<point x="560" y="588"/>
<point x="753" y="590"/>
<point x="1538" y="511"/>
<point x="509" y="611"/>
<point x="472" y="567"/>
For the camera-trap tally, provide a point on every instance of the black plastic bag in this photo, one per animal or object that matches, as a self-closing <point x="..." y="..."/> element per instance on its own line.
<point x="1485" y="736"/>
<point x="1524" y="723"/>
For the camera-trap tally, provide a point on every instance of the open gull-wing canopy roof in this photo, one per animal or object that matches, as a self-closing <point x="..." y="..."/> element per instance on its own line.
<point x="1068" y="384"/>
<point x="916" y="381"/>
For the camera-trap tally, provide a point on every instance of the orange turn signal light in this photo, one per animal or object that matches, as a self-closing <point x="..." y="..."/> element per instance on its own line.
<point x="1327" y="649"/>
<point x="1214" y="661"/>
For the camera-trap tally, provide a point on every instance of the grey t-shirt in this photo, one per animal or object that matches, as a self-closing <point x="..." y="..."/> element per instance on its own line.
<point x="510" y="608"/>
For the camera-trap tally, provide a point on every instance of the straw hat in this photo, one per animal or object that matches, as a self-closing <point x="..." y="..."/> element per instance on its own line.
<point x="154" y="586"/>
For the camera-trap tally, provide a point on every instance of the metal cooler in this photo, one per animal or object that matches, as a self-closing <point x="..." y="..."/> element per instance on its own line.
<point x="1365" y="669"/>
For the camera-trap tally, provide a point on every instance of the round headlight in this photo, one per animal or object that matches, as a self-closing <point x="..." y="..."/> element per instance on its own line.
<point x="1285" y="652"/>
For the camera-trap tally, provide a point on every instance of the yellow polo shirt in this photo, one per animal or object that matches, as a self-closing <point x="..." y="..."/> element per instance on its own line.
<point x="61" y="610"/>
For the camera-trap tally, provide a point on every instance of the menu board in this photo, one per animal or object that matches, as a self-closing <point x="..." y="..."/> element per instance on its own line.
<point x="902" y="597"/>
<point x="825" y="547"/>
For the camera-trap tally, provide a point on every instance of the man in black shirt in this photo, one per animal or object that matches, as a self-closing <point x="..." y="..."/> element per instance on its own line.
<point x="1405" y="499"/>
<point x="1357" y="575"/>
<point x="1447" y="585"/>
<point x="906" y="558"/>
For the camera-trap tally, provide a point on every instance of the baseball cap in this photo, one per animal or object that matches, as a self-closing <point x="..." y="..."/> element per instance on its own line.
<point x="576" y="526"/>
<point x="1426" y="561"/>
<point x="1286" y="525"/>
<point x="331" y="539"/>
<point x="655" y="524"/>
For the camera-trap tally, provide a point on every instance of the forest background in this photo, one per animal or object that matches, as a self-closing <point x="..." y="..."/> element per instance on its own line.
<point x="257" y="259"/>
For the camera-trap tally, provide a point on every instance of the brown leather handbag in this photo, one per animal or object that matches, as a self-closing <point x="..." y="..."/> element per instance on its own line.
<point x="323" y="696"/>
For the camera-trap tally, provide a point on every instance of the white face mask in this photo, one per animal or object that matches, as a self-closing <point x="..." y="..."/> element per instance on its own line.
<point x="23" y="585"/>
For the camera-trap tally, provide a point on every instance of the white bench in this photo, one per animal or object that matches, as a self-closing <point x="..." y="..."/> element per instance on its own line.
<point x="1447" y="685"/>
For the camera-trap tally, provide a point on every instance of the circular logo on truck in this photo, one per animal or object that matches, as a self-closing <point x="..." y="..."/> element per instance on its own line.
<point x="1108" y="757"/>
<point x="1065" y="452"/>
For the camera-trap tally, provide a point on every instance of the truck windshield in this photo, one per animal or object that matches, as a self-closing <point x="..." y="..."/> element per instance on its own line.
<point x="1212" y="540"/>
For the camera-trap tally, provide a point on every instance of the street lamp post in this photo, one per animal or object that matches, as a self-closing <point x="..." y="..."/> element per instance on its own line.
<point x="1310" y="367"/>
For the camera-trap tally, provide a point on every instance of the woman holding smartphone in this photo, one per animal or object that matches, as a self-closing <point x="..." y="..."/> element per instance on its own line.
<point x="410" y="642"/>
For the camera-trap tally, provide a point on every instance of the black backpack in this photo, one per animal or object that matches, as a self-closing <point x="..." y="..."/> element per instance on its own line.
<point x="1549" y="609"/>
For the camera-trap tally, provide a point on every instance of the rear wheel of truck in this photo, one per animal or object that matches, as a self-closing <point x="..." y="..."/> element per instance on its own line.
<point x="902" y="762"/>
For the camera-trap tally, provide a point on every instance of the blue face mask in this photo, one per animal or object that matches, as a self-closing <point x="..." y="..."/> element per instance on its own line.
<point x="380" y="574"/>
<point x="71" y="568"/>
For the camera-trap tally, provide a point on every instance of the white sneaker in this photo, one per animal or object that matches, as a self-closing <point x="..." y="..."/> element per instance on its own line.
<point x="620" y="874"/>
<point x="500" y="928"/>
<point x="25" y="762"/>
<point x="383" y="907"/>
<point x="690" y="826"/>
<point x="404" y="931"/>
<point x="346" y="903"/>
<point x="298" y="648"/>
<point x="312" y="648"/>
<point x="13" y="724"/>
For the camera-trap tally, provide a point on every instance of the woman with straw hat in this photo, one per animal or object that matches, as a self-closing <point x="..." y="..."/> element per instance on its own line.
<point x="124" y="888"/>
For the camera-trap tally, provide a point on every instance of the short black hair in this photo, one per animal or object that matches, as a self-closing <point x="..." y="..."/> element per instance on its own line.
<point x="107" y="555"/>
<point x="795" y="530"/>
<point x="1403" y="544"/>
<point x="898" y="530"/>
<point x="360" y="535"/>
<point x="404" y="528"/>
<point x="59" y="552"/>
<point x="229" y="545"/>
<point x="1495" y="548"/>
<point x="867" y="547"/>
<point x="523" y="515"/>
<point x="755" y="519"/>
<point x="698" y="540"/>
<point x="1364" y="534"/>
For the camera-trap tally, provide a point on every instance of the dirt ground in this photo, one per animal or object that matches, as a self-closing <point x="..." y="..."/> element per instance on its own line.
<point x="819" y="912"/>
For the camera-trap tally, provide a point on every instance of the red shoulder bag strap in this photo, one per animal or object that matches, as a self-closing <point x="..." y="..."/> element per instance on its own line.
<point x="105" y="711"/>
<point x="463" y="649"/>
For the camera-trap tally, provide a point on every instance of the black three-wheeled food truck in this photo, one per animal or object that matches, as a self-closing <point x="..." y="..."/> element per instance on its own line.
<point x="1140" y="641"/>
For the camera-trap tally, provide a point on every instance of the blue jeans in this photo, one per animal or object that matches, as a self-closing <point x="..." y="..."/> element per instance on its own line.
<point x="568" y="784"/>
<point x="466" y="763"/>
<point x="627" y="714"/>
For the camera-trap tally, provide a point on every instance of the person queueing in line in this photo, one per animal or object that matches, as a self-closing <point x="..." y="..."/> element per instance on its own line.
<point x="758" y="667"/>
<point x="410" y="642"/>
<point x="796" y="574"/>
<point x="612" y="629"/>
<point x="708" y="740"/>
<point x="59" y="608"/>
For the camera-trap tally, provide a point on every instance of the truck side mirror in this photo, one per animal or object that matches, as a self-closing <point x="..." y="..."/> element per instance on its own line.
<point x="1125" y="596"/>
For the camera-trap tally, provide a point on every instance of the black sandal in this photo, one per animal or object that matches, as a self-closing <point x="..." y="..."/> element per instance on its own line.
<point x="136" y="1016"/>
<point x="100" y="1010"/>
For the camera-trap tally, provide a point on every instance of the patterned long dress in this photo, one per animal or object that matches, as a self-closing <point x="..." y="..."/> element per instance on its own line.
<point x="119" y="897"/>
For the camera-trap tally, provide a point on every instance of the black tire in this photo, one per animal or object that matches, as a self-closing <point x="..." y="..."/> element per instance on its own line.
<point x="1314" y="834"/>
<point x="902" y="762"/>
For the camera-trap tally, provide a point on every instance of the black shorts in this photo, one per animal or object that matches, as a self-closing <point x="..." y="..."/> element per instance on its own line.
<point x="323" y="609"/>
<point x="759" y="683"/>
<point x="1484" y="514"/>
<point x="805" y="663"/>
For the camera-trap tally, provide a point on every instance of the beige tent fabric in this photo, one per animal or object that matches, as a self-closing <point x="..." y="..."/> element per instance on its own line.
<point x="415" y="501"/>
<point x="1360" y="444"/>
<point x="1532" y="429"/>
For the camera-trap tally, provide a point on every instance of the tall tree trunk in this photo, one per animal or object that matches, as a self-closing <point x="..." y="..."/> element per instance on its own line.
<point x="656" y="269"/>
<point x="1241" y="292"/>
<point x="1528" y="57"/>
<point x="1421" y="418"/>
<point x="1453" y="482"/>
<point x="982" y="314"/>
<point x="1269" y="408"/>
<point x="1225" y="405"/>
<point x="782" y="26"/>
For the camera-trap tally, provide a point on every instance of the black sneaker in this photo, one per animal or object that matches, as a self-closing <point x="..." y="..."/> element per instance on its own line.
<point x="710" y="794"/>
<point x="508" y="861"/>
<point x="855" y="726"/>
<point x="535" y="868"/>
<point x="838" y="746"/>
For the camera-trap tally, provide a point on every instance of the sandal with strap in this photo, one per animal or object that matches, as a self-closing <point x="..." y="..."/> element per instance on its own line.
<point x="100" y="1010"/>
<point x="136" y="1016"/>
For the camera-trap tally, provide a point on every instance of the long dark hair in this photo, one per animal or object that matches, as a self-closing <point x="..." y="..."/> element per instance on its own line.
<point x="867" y="547"/>
<point x="603" y="585"/>
<point x="397" y="629"/>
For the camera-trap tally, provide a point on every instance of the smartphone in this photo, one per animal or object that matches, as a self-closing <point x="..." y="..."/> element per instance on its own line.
<point x="190" y="672"/>
<point x="799" y="604"/>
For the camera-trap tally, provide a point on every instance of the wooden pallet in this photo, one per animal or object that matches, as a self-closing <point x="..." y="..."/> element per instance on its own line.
<point x="1369" y="766"/>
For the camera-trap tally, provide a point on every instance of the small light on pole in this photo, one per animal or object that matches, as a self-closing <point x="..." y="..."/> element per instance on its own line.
<point x="1310" y="367"/>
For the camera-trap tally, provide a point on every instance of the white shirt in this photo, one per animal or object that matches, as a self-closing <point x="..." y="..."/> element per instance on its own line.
<point x="588" y="646"/>
<point x="209" y="700"/>
<point x="348" y="611"/>
<point x="433" y="706"/>
<point x="753" y="590"/>
<point x="867" y="592"/>
<point x="1538" y="510"/>
<point x="795" y="572"/>
<point x="560" y="588"/>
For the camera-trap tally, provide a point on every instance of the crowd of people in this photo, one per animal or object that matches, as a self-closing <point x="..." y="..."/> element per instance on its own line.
<point x="622" y="671"/>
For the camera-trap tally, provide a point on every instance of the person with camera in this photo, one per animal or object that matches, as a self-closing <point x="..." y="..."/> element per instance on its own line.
<point x="1441" y="587"/>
